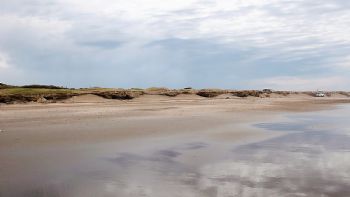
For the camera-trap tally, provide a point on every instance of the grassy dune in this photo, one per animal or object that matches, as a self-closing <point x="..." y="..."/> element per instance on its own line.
<point x="48" y="93"/>
<point x="30" y="91"/>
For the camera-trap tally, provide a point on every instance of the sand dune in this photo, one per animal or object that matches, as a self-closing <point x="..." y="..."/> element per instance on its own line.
<point x="338" y="95"/>
<point x="227" y="96"/>
<point x="86" y="98"/>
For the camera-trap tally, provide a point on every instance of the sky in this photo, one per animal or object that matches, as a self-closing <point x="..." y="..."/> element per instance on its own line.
<point x="233" y="44"/>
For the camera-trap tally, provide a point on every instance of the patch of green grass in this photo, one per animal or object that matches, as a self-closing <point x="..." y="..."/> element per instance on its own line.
<point x="29" y="91"/>
<point x="136" y="89"/>
<point x="98" y="89"/>
<point x="154" y="89"/>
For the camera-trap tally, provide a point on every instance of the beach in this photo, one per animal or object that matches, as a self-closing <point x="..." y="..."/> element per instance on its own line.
<point x="91" y="118"/>
<point x="42" y="145"/>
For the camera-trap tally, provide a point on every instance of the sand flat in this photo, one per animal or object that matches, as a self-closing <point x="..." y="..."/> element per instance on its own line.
<point x="33" y="124"/>
<point x="84" y="149"/>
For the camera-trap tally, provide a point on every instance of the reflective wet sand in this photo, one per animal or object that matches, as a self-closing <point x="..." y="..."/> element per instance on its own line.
<point x="310" y="157"/>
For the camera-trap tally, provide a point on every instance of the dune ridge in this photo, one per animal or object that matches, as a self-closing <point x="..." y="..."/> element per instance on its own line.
<point x="51" y="94"/>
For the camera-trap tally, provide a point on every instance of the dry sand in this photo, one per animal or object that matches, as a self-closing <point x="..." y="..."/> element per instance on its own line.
<point x="87" y="98"/>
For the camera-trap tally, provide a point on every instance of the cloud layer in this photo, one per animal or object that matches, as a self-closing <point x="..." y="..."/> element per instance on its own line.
<point x="226" y="44"/>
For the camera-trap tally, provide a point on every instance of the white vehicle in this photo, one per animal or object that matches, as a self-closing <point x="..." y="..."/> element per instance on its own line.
<point x="320" y="94"/>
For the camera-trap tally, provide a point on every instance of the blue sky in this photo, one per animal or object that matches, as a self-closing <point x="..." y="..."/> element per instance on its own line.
<point x="239" y="44"/>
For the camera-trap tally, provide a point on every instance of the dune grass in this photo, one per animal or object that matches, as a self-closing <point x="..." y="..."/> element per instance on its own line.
<point x="27" y="93"/>
<point x="31" y="91"/>
<point x="46" y="91"/>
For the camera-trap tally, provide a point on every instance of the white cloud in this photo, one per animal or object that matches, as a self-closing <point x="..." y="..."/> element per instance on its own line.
<point x="9" y="73"/>
<point x="43" y="28"/>
<point x="342" y="63"/>
<point x="82" y="36"/>
<point x="4" y="61"/>
<point x="253" y="22"/>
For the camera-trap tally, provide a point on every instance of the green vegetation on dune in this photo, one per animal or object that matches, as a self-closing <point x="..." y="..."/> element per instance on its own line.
<point x="4" y="86"/>
<point x="99" y="89"/>
<point x="42" y="86"/>
<point x="43" y="93"/>
<point x="154" y="89"/>
<point x="137" y="89"/>
<point x="50" y="93"/>
<point x="32" y="91"/>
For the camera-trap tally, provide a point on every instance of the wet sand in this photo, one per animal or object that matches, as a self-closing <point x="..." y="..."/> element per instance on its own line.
<point x="153" y="146"/>
<point x="96" y="121"/>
